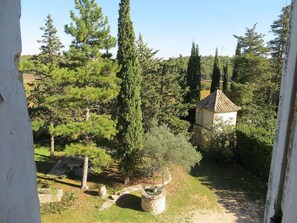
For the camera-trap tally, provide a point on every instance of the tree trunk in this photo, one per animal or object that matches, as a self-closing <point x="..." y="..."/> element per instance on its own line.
<point x="52" y="146"/>
<point x="85" y="174"/>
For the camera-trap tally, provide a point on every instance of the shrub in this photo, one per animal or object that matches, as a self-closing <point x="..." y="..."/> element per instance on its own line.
<point x="255" y="147"/>
<point x="222" y="144"/>
<point x="58" y="207"/>
<point x="162" y="147"/>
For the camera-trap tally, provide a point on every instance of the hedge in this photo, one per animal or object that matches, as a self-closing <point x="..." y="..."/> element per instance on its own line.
<point x="254" y="149"/>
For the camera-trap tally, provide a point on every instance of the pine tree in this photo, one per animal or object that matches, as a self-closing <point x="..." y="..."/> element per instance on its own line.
<point x="193" y="81"/>
<point x="130" y="129"/>
<point x="234" y="77"/>
<point x="216" y="74"/>
<point x="85" y="93"/>
<point x="172" y="106"/>
<point x="90" y="31"/>
<point x="87" y="90"/>
<point x="225" y="78"/>
<point x="150" y="85"/>
<point x="44" y="115"/>
<point x="280" y="29"/>
<point x="253" y="87"/>
<point x="52" y="45"/>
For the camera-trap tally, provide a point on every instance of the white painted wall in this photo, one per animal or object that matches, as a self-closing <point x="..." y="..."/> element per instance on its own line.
<point x="18" y="194"/>
<point x="226" y="117"/>
<point x="281" y="200"/>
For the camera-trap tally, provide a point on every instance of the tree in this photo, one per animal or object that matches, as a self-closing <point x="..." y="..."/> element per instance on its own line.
<point x="172" y="106"/>
<point x="85" y="93"/>
<point x="225" y="78"/>
<point x="44" y="115"/>
<point x="193" y="81"/>
<point x="150" y="85"/>
<point x="234" y="77"/>
<point x="280" y="29"/>
<point x="90" y="31"/>
<point x="216" y="74"/>
<point x="130" y="129"/>
<point x="162" y="148"/>
<point x="52" y="45"/>
<point x="253" y="87"/>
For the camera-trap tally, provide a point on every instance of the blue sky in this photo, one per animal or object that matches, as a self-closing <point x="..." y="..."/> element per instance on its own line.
<point x="167" y="25"/>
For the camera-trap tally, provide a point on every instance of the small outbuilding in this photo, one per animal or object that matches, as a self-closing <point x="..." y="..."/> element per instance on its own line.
<point x="215" y="108"/>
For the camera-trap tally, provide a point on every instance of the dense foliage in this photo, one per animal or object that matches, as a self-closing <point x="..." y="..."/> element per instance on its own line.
<point x="193" y="81"/>
<point x="254" y="149"/>
<point x="76" y="96"/>
<point x="162" y="148"/>
<point x="216" y="74"/>
<point x="130" y="131"/>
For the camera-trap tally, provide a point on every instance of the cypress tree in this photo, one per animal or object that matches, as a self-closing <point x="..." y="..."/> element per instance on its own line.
<point x="130" y="131"/>
<point x="216" y="74"/>
<point x="193" y="81"/>
<point x="225" y="78"/>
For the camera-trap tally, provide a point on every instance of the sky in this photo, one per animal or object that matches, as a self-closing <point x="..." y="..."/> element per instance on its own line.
<point x="169" y="26"/>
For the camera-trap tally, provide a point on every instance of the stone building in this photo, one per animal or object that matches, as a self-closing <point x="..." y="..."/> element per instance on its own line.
<point x="212" y="110"/>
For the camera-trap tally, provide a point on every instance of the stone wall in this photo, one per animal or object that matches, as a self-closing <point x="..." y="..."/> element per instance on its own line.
<point x="45" y="196"/>
<point x="18" y="193"/>
<point x="154" y="204"/>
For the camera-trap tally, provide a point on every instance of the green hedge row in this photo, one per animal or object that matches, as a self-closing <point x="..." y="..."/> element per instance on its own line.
<point x="254" y="149"/>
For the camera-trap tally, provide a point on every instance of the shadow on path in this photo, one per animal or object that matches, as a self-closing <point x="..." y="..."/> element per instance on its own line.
<point x="238" y="191"/>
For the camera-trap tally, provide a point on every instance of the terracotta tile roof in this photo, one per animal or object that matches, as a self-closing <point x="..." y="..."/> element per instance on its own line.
<point x="218" y="102"/>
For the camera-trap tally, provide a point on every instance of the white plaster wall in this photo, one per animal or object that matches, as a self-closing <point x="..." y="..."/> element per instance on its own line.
<point x="226" y="117"/>
<point x="18" y="194"/>
<point x="281" y="199"/>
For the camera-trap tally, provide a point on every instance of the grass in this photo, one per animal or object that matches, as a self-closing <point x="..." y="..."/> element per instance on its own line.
<point x="42" y="159"/>
<point x="204" y="94"/>
<point x="184" y="193"/>
<point x="199" y="190"/>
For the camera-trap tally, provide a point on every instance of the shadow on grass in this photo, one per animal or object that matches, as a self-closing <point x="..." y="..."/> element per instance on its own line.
<point x="129" y="201"/>
<point x="59" y="181"/>
<point x="91" y="192"/>
<point x="238" y="191"/>
<point x="44" y="167"/>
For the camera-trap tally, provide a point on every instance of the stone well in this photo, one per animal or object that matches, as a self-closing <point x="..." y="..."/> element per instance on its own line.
<point x="154" y="204"/>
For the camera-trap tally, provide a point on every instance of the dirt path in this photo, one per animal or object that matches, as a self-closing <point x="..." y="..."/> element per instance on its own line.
<point x="232" y="208"/>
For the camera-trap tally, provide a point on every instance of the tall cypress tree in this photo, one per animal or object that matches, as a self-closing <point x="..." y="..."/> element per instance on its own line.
<point x="130" y="129"/>
<point x="193" y="81"/>
<point x="216" y="74"/>
<point x="225" y="78"/>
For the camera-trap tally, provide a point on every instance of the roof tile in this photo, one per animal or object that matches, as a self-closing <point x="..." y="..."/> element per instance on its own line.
<point x="218" y="102"/>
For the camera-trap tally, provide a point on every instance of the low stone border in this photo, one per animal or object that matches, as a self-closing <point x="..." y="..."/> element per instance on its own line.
<point x="113" y="198"/>
<point x="45" y="196"/>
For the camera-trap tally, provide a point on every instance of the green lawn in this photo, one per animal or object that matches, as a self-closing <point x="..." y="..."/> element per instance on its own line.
<point x="199" y="191"/>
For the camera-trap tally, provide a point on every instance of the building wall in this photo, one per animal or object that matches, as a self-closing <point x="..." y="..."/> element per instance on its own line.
<point x="18" y="193"/>
<point x="281" y="200"/>
<point x="205" y="120"/>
